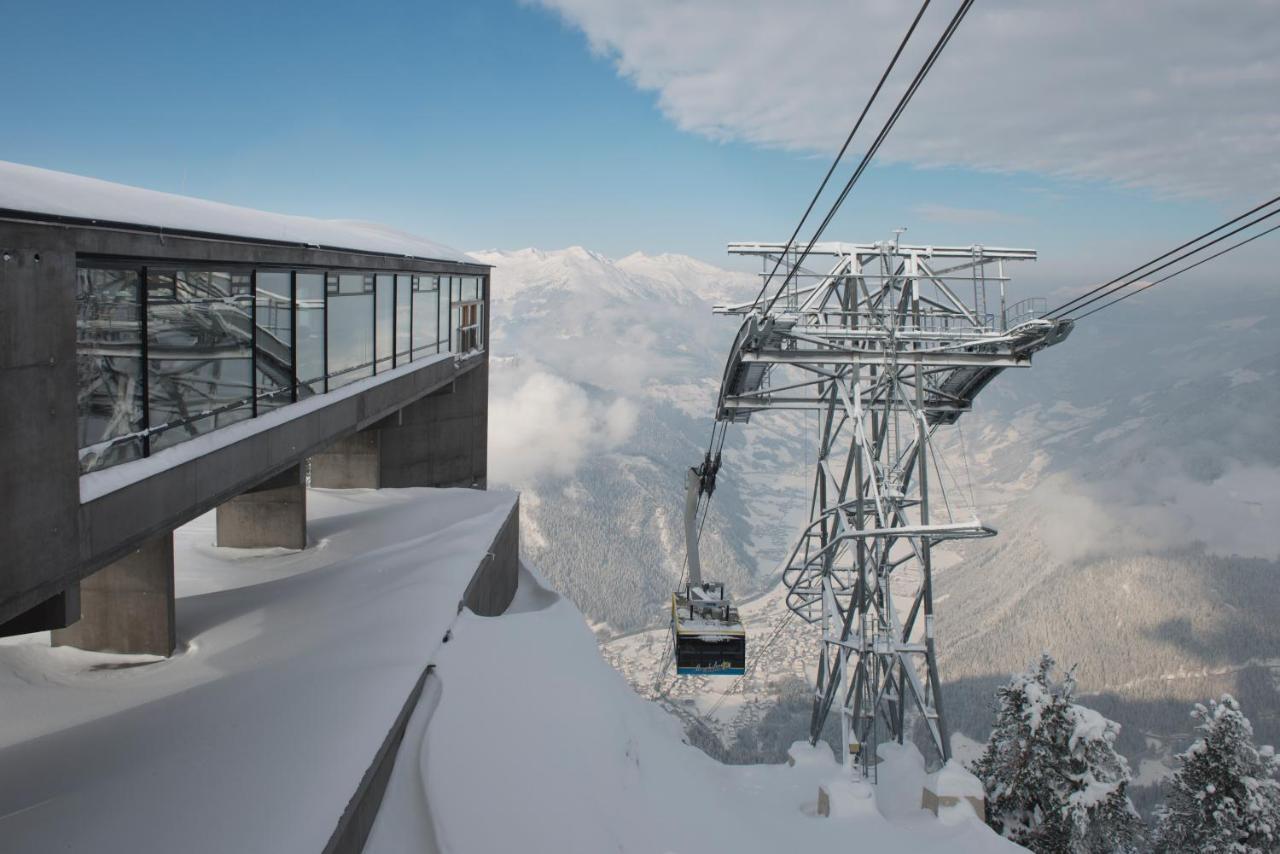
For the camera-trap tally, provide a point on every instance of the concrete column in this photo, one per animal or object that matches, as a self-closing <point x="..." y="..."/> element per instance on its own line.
<point x="350" y="463"/>
<point x="127" y="606"/>
<point x="441" y="439"/>
<point x="272" y="514"/>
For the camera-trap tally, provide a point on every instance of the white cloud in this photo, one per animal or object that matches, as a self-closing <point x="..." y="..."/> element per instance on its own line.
<point x="542" y="425"/>
<point x="962" y="216"/>
<point x="1228" y="515"/>
<point x="1179" y="97"/>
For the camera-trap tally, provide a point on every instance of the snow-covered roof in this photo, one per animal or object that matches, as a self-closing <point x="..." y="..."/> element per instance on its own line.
<point x="31" y="190"/>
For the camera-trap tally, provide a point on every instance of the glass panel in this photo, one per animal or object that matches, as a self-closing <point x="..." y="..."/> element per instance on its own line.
<point x="470" y="288"/>
<point x="199" y="335"/>
<point x="350" y="324"/>
<point x="273" y="339"/>
<point x="109" y="366"/>
<point x="385" y="294"/>
<point x="310" y="348"/>
<point x="446" y="331"/>
<point x="404" y="318"/>
<point x="426" y="307"/>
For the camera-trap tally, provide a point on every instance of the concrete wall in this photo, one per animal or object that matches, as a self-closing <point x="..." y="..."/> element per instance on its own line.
<point x="494" y="584"/>
<point x="441" y="439"/>
<point x="352" y="462"/>
<point x="39" y="469"/>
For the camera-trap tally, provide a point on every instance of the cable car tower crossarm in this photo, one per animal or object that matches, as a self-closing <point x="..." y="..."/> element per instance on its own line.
<point x="887" y="343"/>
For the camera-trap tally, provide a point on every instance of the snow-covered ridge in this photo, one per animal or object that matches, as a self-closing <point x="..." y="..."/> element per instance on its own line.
<point x="672" y="277"/>
<point x="60" y="194"/>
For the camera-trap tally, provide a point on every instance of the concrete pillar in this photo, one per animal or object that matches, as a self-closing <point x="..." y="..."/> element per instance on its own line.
<point x="272" y="514"/>
<point x="350" y="463"/>
<point x="441" y="439"/>
<point x="127" y="606"/>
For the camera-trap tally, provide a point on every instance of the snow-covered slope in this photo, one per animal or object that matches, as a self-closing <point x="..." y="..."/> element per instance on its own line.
<point x="544" y="747"/>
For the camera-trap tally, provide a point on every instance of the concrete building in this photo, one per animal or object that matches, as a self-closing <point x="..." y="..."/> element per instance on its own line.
<point x="161" y="356"/>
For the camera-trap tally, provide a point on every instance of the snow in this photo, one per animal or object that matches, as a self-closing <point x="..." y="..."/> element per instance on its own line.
<point x="42" y="191"/>
<point x="954" y="780"/>
<point x="291" y="668"/>
<point x="536" y="744"/>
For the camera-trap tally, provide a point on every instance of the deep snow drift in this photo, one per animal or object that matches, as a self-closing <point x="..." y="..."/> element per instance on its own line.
<point x="532" y="742"/>
<point x="291" y="668"/>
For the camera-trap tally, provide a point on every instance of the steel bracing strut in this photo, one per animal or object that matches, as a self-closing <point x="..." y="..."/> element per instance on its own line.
<point x="886" y="343"/>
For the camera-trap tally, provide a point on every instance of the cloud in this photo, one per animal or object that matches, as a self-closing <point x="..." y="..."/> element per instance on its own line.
<point x="963" y="216"/>
<point x="1177" y="97"/>
<point x="542" y="425"/>
<point x="1227" y="515"/>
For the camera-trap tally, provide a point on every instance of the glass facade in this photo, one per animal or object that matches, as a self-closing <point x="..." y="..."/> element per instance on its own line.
<point x="404" y="318"/>
<point x="273" y="338"/>
<point x="309" y="308"/>
<point x="384" y="314"/>
<point x="426" y="315"/>
<point x="445" y="328"/>
<point x="168" y="353"/>
<point x="199" y="353"/>
<point x="350" y="324"/>
<point x="110" y="398"/>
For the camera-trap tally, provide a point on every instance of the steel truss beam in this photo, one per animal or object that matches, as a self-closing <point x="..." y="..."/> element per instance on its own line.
<point x="887" y="346"/>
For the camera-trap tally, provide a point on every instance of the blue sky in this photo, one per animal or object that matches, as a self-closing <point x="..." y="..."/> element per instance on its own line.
<point x="484" y="124"/>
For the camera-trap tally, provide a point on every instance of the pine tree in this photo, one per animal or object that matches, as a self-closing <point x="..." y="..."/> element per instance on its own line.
<point x="1053" y="779"/>
<point x="1224" y="797"/>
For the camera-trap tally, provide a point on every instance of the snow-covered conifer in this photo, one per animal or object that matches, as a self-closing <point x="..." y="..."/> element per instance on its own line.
<point x="1224" y="797"/>
<point x="1053" y="779"/>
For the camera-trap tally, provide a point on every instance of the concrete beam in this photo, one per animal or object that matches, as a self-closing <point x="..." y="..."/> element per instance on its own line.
<point x="272" y="514"/>
<point x="56" y="612"/>
<point x="128" y="606"/>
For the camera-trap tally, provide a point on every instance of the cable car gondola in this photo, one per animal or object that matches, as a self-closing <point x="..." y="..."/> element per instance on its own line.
<point x="707" y="637"/>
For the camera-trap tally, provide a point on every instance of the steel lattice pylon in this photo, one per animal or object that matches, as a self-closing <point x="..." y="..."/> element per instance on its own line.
<point x="886" y="343"/>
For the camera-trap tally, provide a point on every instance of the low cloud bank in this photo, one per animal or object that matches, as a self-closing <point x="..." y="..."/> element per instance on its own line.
<point x="542" y="425"/>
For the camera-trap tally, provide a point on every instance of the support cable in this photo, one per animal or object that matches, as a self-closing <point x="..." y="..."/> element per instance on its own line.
<point x="1064" y="308"/>
<point x="879" y="140"/>
<point x="847" y="141"/>
<point x="1217" y="254"/>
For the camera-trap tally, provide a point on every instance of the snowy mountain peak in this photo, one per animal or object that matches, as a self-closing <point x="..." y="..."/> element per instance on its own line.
<point x="638" y="276"/>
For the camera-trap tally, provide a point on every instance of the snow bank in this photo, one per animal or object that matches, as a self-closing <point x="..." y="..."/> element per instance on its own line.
<point x="538" y="745"/>
<point x="42" y="191"/>
<point x="291" y="670"/>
